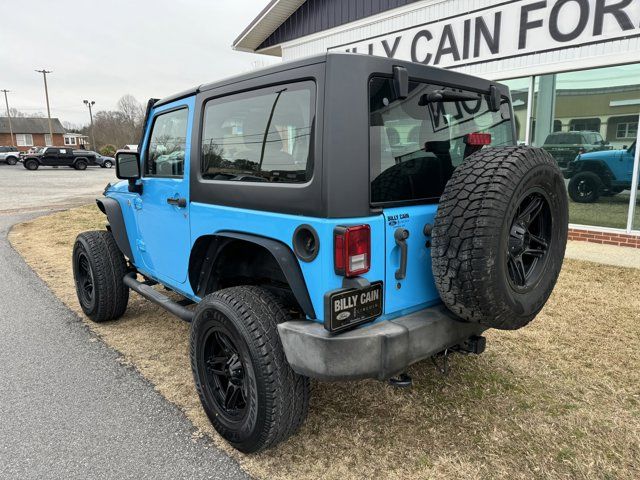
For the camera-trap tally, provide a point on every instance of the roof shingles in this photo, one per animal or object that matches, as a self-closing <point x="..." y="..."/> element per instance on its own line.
<point x="30" y="125"/>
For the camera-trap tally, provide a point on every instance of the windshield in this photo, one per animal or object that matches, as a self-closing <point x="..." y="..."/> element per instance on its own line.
<point x="415" y="148"/>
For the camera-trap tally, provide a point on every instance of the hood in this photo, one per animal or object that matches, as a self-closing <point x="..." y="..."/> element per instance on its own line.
<point x="601" y="155"/>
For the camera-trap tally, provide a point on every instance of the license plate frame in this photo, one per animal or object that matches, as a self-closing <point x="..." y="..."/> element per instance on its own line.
<point x="346" y="308"/>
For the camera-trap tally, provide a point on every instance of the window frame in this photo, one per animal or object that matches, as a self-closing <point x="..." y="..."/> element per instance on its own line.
<point x="249" y="93"/>
<point x="24" y="142"/>
<point x="626" y="130"/>
<point x="186" y="160"/>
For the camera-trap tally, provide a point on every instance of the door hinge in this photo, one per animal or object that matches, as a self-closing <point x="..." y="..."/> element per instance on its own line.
<point x="141" y="245"/>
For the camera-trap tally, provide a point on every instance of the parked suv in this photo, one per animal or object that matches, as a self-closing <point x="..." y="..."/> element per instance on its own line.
<point x="564" y="146"/>
<point x="600" y="173"/>
<point x="59" y="157"/>
<point x="339" y="217"/>
<point x="9" y="155"/>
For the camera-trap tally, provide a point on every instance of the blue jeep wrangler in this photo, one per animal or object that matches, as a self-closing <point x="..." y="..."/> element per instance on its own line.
<point x="339" y="217"/>
<point x="593" y="174"/>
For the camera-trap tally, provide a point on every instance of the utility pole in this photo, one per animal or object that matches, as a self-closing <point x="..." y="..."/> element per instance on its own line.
<point x="46" y="94"/>
<point x="6" y="101"/>
<point x="93" y="138"/>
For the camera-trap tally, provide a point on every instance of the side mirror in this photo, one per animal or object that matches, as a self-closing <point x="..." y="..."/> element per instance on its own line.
<point x="128" y="167"/>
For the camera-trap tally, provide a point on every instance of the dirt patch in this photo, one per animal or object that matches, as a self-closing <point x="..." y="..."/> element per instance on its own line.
<point x="559" y="398"/>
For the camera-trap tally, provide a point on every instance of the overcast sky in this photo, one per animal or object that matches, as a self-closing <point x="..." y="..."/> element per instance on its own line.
<point x="101" y="50"/>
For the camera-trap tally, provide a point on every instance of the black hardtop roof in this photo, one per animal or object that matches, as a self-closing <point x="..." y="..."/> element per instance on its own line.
<point x="379" y="63"/>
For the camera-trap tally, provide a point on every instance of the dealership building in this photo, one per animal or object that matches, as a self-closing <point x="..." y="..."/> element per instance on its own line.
<point x="573" y="67"/>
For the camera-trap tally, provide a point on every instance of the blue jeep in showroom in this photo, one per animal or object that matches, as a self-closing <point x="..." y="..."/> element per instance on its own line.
<point x="594" y="174"/>
<point x="339" y="217"/>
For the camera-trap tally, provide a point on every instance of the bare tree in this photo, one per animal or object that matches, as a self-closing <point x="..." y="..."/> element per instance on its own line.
<point x="15" y="113"/>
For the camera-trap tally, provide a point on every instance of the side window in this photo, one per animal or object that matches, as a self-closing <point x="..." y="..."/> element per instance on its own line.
<point x="260" y="136"/>
<point x="51" y="151"/>
<point x="167" y="144"/>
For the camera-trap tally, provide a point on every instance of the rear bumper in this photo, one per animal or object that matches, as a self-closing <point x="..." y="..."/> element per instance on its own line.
<point x="380" y="351"/>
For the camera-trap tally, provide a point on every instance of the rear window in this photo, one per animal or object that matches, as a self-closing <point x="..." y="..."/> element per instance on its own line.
<point x="260" y="136"/>
<point x="414" y="148"/>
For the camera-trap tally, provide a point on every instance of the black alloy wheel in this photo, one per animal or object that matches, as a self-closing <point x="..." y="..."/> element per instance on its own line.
<point x="585" y="187"/>
<point x="228" y="378"/>
<point x="84" y="281"/>
<point x="529" y="240"/>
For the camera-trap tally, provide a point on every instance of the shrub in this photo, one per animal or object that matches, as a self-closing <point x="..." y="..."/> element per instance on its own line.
<point x="108" y="151"/>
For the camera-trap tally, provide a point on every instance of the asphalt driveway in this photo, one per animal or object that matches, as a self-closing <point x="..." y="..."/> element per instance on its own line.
<point x="68" y="408"/>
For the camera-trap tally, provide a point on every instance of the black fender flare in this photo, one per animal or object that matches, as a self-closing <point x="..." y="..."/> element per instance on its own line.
<point x="111" y="208"/>
<point x="282" y="254"/>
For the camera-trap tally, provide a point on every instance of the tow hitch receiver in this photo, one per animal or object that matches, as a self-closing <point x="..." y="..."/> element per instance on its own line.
<point x="475" y="344"/>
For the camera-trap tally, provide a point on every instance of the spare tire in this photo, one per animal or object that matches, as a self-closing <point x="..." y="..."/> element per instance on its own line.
<point x="499" y="236"/>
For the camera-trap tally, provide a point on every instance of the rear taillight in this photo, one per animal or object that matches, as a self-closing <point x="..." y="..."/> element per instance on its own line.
<point x="352" y="250"/>
<point x="478" y="139"/>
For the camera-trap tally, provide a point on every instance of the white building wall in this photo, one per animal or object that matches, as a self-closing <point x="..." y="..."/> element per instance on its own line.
<point x="612" y="52"/>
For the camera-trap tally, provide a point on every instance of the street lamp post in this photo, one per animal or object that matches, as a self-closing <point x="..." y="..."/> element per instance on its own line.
<point x="93" y="138"/>
<point x="6" y="101"/>
<point x="46" y="94"/>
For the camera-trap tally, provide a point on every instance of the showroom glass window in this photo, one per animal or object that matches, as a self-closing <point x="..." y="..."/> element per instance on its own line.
<point x="591" y="116"/>
<point x="260" y="136"/>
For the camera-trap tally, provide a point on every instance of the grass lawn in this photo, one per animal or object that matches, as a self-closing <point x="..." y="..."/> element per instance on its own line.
<point x="557" y="399"/>
<point x="606" y="212"/>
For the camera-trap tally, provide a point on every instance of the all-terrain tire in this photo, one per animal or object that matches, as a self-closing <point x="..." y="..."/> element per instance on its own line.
<point x="585" y="187"/>
<point x="98" y="271"/>
<point x="500" y="203"/>
<point x="275" y="399"/>
<point x="31" y="164"/>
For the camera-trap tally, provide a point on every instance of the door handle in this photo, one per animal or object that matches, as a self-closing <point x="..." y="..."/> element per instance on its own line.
<point x="177" y="202"/>
<point x="400" y="236"/>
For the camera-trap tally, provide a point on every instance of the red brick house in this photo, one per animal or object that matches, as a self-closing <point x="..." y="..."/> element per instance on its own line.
<point x="31" y="132"/>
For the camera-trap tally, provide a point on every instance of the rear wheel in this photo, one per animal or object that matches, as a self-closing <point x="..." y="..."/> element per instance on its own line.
<point x="248" y="390"/>
<point x="98" y="270"/>
<point x="31" y="164"/>
<point x="499" y="236"/>
<point x="80" y="165"/>
<point x="585" y="187"/>
<point x="12" y="160"/>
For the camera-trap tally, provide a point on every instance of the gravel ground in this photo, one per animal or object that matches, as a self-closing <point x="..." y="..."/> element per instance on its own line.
<point x="23" y="190"/>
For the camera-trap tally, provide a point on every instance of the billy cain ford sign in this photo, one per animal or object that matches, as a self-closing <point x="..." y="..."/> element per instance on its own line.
<point x="508" y="29"/>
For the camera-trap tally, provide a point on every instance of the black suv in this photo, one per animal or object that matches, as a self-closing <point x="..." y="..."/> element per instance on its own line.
<point x="59" y="157"/>
<point x="566" y="146"/>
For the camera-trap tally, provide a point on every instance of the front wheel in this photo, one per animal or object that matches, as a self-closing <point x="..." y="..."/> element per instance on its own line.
<point x="107" y="164"/>
<point x="98" y="270"/>
<point x="247" y="389"/>
<point x="585" y="187"/>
